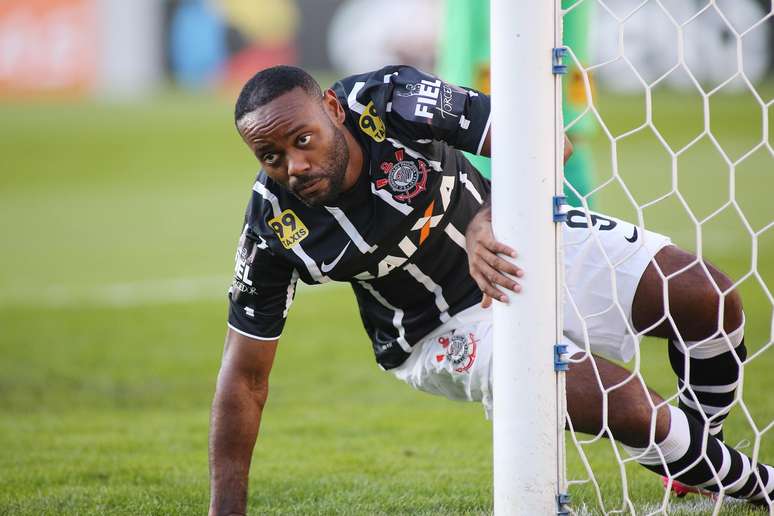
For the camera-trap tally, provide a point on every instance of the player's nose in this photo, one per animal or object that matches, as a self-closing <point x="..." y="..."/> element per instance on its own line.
<point x="298" y="164"/>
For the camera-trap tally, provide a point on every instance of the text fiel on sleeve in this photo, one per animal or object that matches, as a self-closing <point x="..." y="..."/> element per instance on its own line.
<point x="262" y="290"/>
<point x="419" y="105"/>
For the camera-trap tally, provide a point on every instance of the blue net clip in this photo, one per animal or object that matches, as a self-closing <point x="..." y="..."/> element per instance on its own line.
<point x="560" y="364"/>
<point x="559" y="214"/>
<point x="558" y="67"/>
<point x="562" y="500"/>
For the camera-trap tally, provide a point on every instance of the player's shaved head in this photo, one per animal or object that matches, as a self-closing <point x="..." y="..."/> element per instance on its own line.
<point x="270" y="83"/>
<point x="298" y="134"/>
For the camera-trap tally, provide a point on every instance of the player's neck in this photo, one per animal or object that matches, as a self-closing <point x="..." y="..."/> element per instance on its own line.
<point x="355" y="165"/>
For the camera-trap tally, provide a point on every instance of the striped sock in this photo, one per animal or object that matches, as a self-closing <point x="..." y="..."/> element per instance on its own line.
<point x="709" y="387"/>
<point x="683" y="456"/>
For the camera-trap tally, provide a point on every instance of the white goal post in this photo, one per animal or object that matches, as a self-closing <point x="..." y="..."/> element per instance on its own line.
<point x="699" y="176"/>
<point x="527" y="161"/>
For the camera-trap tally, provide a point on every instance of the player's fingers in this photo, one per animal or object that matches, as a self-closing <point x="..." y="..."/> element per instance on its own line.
<point x="502" y="265"/>
<point x="488" y="263"/>
<point x="486" y="301"/>
<point x="492" y="245"/>
<point x="488" y="288"/>
<point x="500" y="248"/>
<point x="496" y="279"/>
<point x="504" y="281"/>
<point x="495" y="293"/>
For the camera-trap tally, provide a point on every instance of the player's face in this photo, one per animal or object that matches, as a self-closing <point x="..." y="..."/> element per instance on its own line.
<point x="299" y="145"/>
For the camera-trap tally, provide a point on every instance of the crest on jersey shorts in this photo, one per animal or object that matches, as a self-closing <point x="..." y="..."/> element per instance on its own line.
<point x="459" y="350"/>
<point x="405" y="178"/>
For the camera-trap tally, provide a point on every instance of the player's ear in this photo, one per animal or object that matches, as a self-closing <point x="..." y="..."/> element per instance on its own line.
<point x="333" y="107"/>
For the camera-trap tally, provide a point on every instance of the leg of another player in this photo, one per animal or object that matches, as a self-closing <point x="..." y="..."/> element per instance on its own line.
<point x="621" y="406"/>
<point x="695" y="308"/>
<point x="629" y="407"/>
<point x="706" y="334"/>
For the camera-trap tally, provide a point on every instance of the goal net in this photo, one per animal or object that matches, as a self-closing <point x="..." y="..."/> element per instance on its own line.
<point x="676" y="105"/>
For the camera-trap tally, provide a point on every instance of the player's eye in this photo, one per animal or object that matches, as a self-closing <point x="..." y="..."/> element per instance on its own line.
<point x="270" y="158"/>
<point x="304" y="139"/>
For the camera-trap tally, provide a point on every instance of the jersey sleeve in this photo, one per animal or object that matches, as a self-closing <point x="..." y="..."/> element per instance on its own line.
<point x="421" y="106"/>
<point x="262" y="290"/>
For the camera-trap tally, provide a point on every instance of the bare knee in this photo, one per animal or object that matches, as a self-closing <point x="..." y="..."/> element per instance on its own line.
<point x="720" y="305"/>
<point x="700" y="296"/>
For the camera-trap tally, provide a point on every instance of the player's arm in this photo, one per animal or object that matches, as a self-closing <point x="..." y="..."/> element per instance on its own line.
<point x="240" y="395"/>
<point x="415" y="105"/>
<point x="419" y="105"/>
<point x="259" y="299"/>
<point x="486" y="148"/>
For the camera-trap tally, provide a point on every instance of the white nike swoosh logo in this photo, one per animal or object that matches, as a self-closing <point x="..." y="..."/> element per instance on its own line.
<point x="327" y="267"/>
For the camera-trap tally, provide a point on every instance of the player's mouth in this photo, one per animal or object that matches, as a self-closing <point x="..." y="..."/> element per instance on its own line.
<point x="308" y="189"/>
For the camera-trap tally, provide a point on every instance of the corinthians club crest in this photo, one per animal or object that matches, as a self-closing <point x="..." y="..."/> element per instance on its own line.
<point x="405" y="178"/>
<point x="459" y="350"/>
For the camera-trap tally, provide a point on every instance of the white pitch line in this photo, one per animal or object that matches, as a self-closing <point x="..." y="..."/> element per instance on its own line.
<point x="121" y="295"/>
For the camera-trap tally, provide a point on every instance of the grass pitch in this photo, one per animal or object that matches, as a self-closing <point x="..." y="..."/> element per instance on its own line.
<point x="119" y="225"/>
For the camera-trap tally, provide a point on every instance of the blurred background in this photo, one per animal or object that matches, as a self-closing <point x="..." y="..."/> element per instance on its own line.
<point x="122" y="189"/>
<point x="120" y="50"/>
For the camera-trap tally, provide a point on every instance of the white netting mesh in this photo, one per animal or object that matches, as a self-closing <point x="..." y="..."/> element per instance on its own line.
<point x="678" y="108"/>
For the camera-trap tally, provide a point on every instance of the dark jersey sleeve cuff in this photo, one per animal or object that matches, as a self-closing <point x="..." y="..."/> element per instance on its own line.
<point x="256" y="327"/>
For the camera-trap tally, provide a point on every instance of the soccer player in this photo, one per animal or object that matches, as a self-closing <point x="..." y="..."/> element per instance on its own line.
<point x="364" y="183"/>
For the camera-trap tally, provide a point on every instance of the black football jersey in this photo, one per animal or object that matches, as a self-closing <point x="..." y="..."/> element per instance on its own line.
<point x="397" y="236"/>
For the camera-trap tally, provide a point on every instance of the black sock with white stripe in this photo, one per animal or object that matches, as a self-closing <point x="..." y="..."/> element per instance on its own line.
<point x="683" y="456"/>
<point x="708" y="388"/>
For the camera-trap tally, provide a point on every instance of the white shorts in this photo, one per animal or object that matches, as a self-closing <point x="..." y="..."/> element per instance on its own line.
<point x="603" y="266"/>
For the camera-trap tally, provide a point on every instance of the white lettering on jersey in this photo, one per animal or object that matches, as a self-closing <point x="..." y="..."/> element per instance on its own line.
<point x="406" y="245"/>
<point x="422" y="110"/>
<point x="427" y="92"/>
<point x="429" y="89"/>
<point x="389" y="263"/>
<point x="246" y="276"/>
<point x="241" y="269"/>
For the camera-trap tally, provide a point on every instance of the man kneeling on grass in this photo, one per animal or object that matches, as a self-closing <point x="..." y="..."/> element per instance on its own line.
<point x="365" y="183"/>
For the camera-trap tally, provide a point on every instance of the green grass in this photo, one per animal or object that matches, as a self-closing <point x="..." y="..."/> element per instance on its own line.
<point x="119" y="224"/>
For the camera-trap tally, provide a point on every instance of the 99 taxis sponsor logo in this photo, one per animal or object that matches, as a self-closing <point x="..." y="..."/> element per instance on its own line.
<point x="371" y="124"/>
<point x="288" y="228"/>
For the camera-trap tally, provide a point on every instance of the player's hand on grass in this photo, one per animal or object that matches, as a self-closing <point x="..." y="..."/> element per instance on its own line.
<point x="490" y="271"/>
